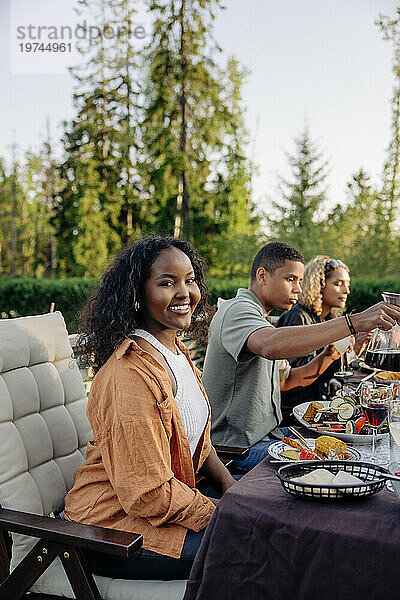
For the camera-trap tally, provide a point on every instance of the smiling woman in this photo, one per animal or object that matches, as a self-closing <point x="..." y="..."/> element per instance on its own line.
<point x="130" y="292"/>
<point x="171" y="295"/>
<point x="149" y="412"/>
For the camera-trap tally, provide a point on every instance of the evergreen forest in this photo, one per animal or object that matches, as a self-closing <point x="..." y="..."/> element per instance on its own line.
<point x="158" y="144"/>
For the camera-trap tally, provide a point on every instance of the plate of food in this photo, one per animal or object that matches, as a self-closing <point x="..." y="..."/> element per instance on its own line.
<point x="323" y="447"/>
<point x="387" y="377"/>
<point x="341" y="417"/>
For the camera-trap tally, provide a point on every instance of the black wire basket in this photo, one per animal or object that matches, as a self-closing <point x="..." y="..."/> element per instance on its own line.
<point x="369" y="473"/>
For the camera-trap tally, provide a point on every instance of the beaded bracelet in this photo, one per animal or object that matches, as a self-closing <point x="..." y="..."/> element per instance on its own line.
<point x="350" y="324"/>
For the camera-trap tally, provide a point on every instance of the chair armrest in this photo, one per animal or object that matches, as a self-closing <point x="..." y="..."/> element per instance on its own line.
<point x="231" y="452"/>
<point x="99" y="539"/>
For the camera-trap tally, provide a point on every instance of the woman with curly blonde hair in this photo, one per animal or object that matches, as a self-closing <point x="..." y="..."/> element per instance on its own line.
<point x="325" y="287"/>
<point x="322" y="276"/>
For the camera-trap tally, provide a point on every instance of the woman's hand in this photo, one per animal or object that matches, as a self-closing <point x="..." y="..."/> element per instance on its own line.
<point x="227" y="483"/>
<point x="361" y="341"/>
<point x="213" y="500"/>
<point x="218" y="472"/>
<point x="331" y="351"/>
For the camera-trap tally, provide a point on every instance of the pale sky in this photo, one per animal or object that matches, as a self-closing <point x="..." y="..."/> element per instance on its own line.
<point x="323" y="61"/>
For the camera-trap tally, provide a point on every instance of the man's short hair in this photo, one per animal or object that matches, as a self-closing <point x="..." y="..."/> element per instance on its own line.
<point x="273" y="256"/>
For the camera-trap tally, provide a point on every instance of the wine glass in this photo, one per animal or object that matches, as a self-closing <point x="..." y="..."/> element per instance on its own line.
<point x="394" y="440"/>
<point x="374" y="401"/>
<point x="341" y="346"/>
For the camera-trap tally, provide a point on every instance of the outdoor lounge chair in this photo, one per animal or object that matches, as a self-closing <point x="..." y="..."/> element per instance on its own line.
<point x="43" y="436"/>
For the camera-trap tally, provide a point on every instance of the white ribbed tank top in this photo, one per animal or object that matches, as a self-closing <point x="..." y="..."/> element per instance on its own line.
<point x="189" y="397"/>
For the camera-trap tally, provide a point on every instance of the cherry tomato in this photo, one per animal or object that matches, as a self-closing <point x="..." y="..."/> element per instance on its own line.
<point x="360" y="424"/>
<point x="307" y="454"/>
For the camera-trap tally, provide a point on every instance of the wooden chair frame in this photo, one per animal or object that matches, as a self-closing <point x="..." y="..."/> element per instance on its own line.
<point x="67" y="540"/>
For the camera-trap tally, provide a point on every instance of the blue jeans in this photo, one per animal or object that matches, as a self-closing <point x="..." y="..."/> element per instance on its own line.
<point x="257" y="453"/>
<point x="145" y="564"/>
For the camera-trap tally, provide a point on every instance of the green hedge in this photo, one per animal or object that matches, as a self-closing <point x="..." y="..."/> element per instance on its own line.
<point x="29" y="296"/>
<point x="225" y="288"/>
<point x="366" y="291"/>
<point x="23" y="296"/>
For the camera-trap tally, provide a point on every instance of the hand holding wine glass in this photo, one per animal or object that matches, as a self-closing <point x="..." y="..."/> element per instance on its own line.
<point x="341" y="346"/>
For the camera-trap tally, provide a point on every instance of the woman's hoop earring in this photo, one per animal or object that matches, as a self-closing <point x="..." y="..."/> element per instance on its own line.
<point x="136" y="306"/>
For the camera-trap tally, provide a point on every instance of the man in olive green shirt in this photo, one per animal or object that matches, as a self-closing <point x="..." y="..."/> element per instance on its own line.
<point x="241" y="375"/>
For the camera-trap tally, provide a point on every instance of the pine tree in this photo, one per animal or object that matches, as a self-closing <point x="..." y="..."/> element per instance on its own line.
<point x="39" y="175"/>
<point x="124" y="71"/>
<point x="348" y="229"/>
<point x="298" y="221"/>
<point x="195" y="180"/>
<point x="13" y="221"/>
<point x="90" y="248"/>
<point x="386" y="236"/>
<point x="239" y="238"/>
<point x="5" y="219"/>
<point x="100" y="137"/>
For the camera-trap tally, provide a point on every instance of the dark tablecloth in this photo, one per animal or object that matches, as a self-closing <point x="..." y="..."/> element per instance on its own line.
<point x="262" y="543"/>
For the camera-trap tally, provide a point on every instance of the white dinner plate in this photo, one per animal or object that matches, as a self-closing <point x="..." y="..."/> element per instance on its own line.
<point x="349" y="438"/>
<point x="275" y="449"/>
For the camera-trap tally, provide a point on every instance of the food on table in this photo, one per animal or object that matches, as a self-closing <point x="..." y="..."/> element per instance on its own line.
<point x="292" y="442"/>
<point x="345" y="411"/>
<point x="388" y="375"/>
<point x="325" y="477"/>
<point x="360" y="424"/>
<point x="326" y="448"/>
<point x="343" y="415"/>
<point x="311" y="411"/>
<point x="345" y="478"/>
<point x="306" y="454"/>
<point x="290" y="454"/>
<point x="336" y="402"/>
<point x="316" y="477"/>
<point x="343" y="398"/>
<point x="329" y="447"/>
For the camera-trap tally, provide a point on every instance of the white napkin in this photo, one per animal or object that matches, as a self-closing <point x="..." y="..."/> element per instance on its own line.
<point x="345" y="478"/>
<point x="316" y="477"/>
<point x="325" y="477"/>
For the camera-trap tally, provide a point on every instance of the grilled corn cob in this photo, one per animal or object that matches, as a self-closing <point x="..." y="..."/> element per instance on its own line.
<point x="328" y="447"/>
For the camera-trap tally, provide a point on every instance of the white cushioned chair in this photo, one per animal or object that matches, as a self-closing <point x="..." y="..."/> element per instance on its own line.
<point x="43" y="437"/>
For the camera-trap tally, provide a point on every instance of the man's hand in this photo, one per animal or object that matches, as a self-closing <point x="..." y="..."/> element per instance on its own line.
<point x="308" y="373"/>
<point x="382" y="315"/>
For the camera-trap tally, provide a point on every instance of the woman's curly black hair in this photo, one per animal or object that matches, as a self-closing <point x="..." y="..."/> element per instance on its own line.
<point x="111" y="314"/>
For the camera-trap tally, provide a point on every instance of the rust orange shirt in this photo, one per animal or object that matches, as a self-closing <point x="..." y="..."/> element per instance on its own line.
<point x="139" y="474"/>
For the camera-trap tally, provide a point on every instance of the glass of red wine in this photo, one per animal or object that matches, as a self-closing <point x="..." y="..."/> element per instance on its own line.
<point x="375" y="401"/>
